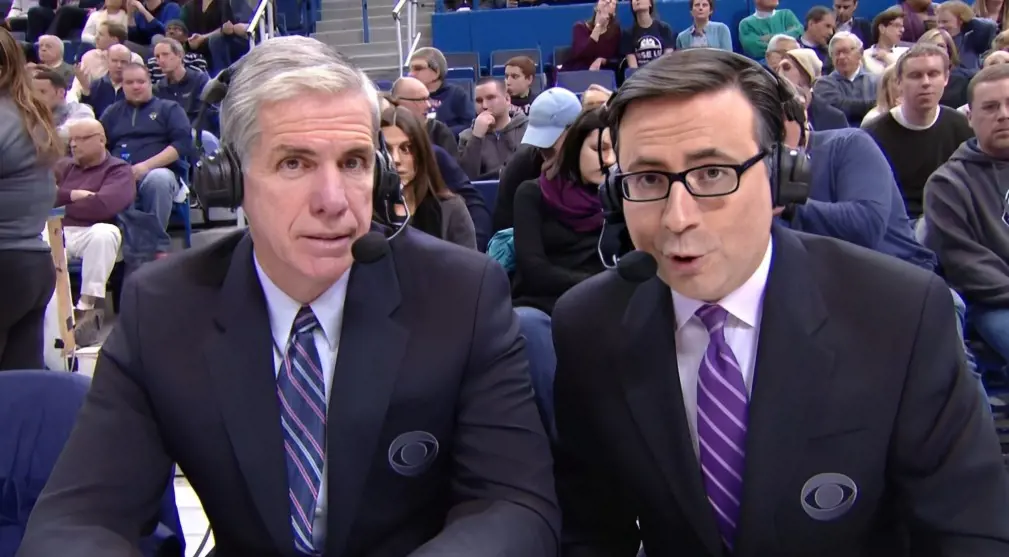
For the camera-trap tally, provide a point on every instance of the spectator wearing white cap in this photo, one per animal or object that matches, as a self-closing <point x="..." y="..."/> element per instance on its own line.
<point x="802" y="67"/>
<point x="549" y="117"/>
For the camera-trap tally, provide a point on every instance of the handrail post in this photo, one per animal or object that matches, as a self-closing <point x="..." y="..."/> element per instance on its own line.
<point x="364" y="15"/>
<point x="399" y="44"/>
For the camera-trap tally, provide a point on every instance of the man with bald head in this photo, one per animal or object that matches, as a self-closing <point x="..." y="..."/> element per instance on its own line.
<point x="94" y="187"/>
<point x="101" y="93"/>
<point x="412" y="94"/>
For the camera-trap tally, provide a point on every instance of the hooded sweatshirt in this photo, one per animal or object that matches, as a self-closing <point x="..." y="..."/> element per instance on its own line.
<point x="966" y="224"/>
<point x="481" y="156"/>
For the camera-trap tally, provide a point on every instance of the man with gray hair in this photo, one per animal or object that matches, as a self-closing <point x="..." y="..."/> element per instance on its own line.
<point x="849" y="87"/>
<point x="452" y="105"/>
<point x="180" y="83"/>
<point x="777" y="47"/>
<point x="728" y="391"/>
<point x="365" y="401"/>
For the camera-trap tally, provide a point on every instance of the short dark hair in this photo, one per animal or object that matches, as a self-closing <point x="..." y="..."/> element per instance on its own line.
<point x="921" y="50"/>
<point x="568" y="165"/>
<point x="991" y="74"/>
<point x="52" y="76"/>
<point x="885" y="18"/>
<point x="116" y="31"/>
<point x="816" y="14"/>
<point x="687" y="73"/>
<point x="488" y="79"/>
<point x="711" y="4"/>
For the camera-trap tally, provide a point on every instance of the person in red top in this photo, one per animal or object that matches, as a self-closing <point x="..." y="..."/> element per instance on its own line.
<point x="594" y="43"/>
<point x="94" y="187"/>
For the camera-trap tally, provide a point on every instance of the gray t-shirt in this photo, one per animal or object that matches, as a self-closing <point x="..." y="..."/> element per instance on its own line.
<point x="27" y="188"/>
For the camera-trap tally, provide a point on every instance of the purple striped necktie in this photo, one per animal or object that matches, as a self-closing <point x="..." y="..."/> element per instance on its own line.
<point x="721" y="424"/>
<point x="301" y="391"/>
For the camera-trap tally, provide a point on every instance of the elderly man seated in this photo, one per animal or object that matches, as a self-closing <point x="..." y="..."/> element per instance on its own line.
<point x="849" y="87"/>
<point x="94" y="187"/>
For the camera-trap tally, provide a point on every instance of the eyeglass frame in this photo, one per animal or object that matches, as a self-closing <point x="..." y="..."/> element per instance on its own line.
<point x="681" y="177"/>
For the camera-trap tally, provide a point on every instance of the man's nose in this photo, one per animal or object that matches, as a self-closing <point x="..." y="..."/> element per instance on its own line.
<point x="680" y="212"/>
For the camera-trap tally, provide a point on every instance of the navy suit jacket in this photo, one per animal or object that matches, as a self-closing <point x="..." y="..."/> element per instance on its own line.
<point x="429" y="344"/>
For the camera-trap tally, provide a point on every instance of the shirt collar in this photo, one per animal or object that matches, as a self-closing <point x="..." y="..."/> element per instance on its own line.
<point x="282" y="309"/>
<point x="743" y="303"/>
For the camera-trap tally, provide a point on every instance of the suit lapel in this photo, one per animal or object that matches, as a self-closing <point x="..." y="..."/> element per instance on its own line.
<point x="372" y="347"/>
<point x="239" y="354"/>
<point x="793" y="368"/>
<point x="647" y="369"/>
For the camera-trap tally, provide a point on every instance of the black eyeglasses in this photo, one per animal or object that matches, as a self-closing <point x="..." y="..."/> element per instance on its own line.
<point x="709" y="180"/>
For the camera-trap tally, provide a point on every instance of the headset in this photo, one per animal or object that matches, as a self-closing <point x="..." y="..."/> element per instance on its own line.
<point x="218" y="181"/>
<point x="791" y="174"/>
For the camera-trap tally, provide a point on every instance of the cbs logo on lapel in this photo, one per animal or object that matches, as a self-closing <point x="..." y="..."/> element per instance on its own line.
<point x="828" y="496"/>
<point x="412" y="453"/>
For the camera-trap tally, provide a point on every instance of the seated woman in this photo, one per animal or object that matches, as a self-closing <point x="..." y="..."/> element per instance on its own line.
<point x="114" y="12"/>
<point x="433" y="208"/>
<point x="704" y="33"/>
<point x="887" y="27"/>
<point x="595" y="43"/>
<point x="955" y="93"/>
<point x="558" y="219"/>
<point x="971" y="35"/>
<point x="887" y="96"/>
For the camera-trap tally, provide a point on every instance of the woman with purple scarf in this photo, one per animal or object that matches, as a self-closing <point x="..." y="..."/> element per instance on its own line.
<point x="558" y="218"/>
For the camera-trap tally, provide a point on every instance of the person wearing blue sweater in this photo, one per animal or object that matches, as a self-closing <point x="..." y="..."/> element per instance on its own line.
<point x="453" y="106"/>
<point x="458" y="182"/>
<point x="704" y="33"/>
<point x="155" y="137"/>
<point x="150" y="18"/>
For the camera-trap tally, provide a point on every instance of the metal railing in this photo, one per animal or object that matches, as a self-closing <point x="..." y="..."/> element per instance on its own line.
<point x="262" y="26"/>
<point x="411" y="30"/>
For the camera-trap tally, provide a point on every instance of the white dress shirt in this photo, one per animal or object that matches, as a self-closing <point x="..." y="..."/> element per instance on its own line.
<point x="742" y="329"/>
<point x="328" y="310"/>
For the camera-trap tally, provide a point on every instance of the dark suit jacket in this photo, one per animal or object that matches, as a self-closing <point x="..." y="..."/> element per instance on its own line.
<point x="187" y="376"/>
<point x="858" y="372"/>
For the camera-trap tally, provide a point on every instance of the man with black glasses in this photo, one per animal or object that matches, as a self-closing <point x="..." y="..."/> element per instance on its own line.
<point x="768" y="392"/>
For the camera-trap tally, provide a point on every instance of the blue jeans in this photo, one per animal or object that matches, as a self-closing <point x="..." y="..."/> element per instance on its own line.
<point x="535" y="327"/>
<point x="225" y="50"/>
<point x="155" y="196"/>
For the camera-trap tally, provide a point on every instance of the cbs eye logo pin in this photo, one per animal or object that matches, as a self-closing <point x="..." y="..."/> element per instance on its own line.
<point x="828" y="496"/>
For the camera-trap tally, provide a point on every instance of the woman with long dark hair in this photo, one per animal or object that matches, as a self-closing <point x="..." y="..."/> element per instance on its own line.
<point x="434" y="209"/>
<point x="595" y="44"/>
<point x="29" y="146"/>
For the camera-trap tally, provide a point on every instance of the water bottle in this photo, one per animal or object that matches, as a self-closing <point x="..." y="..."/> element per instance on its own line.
<point x="123" y="153"/>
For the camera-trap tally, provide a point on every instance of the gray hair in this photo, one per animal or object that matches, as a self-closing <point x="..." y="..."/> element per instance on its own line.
<point x="856" y="42"/>
<point x="173" y="44"/>
<point x="57" y="42"/>
<point x="434" y="59"/>
<point x="773" y="44"/>
<point x="688" y="73"/>
<point x="281" y="69"/>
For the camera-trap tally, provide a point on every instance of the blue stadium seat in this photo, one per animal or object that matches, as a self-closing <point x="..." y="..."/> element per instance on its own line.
<point x="488" y="189"/>
<point x="383" y="85"/>
<point x="464" y="84"/>
<point x="463" y="65"/>
<point x="578" y="82"/>
<point x="181" y="215"/>
<point x="38" y="409"/>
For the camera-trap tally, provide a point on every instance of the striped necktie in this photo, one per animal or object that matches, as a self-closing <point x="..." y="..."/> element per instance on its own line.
<point x="302" y="394"/>
<point x="721" y="424"/>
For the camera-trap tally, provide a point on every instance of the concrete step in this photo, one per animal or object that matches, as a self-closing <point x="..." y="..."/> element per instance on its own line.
<point x="353" y="50"/>
<point x="343" y="13"/>
<point x="377" y="33"/>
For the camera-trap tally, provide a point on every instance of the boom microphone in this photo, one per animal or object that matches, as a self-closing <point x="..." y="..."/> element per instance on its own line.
<point x="637" y="266"/>
<point x="370" y="248"/>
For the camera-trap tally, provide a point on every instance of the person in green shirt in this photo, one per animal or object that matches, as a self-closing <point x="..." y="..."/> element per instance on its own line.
<point x="755" y="30"/>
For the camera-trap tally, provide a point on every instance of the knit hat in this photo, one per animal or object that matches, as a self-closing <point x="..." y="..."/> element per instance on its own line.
<point x="178" y="23"/>
<point x="807" y="60"/>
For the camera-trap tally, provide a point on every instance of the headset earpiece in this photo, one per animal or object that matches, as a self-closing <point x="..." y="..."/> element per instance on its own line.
<point x="388" y="190"/>
<point x="217" y="179"/>
<point x="793" y="176"/>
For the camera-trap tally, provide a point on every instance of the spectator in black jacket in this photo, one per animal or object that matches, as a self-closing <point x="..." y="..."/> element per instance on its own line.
<point x="552" y="112"/>
<point x="845" y="20"/>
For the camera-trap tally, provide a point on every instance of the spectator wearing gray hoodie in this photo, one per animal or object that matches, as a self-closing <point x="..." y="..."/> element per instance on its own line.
<point x="490" y="142"/>
<point x="966" y="220"/>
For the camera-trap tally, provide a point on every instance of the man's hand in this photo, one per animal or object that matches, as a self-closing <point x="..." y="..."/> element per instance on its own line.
<point x="81" y="74"/>
<point x="597" y="64"/>
<point x="196" y="40"/>
<point x="77" y="195"/>
<point x="879" y="55"/>
<point x="136" y="5"/>
<point x="228" y="28"/>
<point x="482" y="124"/>
<point x="241" y="28"/>
<point x="139" y="171"/>
<point x="777" y="211"/>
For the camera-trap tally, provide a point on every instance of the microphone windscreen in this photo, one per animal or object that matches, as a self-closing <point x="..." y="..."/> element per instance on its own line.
<point x="637" y="266"/>
<point x="370" y="248"/>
